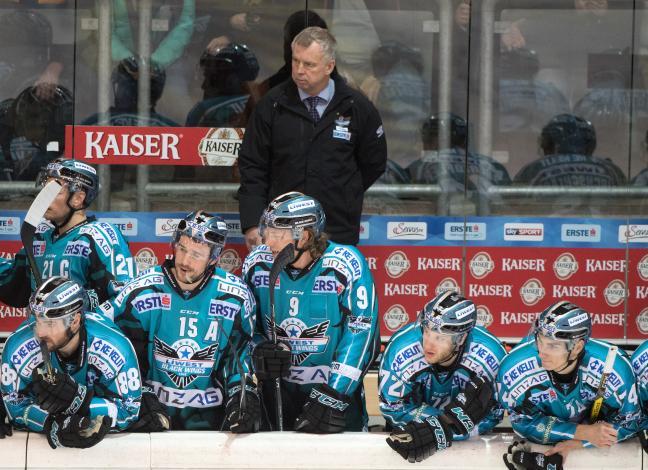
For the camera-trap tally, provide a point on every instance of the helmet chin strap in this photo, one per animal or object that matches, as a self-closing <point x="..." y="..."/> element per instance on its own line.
<point x="69" y="215"/>
<point x="569" y="362"/>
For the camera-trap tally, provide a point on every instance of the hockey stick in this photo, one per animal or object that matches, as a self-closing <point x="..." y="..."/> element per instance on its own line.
<point x="285" y="257"/>
<point x="600" y="392"/>
<point x="33" y="217"/>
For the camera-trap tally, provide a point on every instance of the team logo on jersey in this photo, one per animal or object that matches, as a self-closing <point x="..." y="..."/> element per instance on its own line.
<point x="642" y="321"/>
<point x="532" y="292"/>
<point x="484" y="317"/>
<point x="481" y="265"/>
<point x="565" y="266"/>
<point x="397" y="264"/>
<point x="184" y="361"/>
<point x="642" y="268"/>
<point x="447" y="284"/>
<point x="615" y="293"/>
<point x="304" y="340"/>
<point x="358" y="324"/>
<point x="145" y="259"/>
<point x="395" y="317"/>
<point x="229" y="260"/>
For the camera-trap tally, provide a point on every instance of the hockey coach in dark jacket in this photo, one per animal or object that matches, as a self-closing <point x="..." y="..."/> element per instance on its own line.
<point x="312" y="134"/>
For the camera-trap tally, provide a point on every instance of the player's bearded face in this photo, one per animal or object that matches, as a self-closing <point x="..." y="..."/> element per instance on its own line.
<point x="53" y="332"/>
<point x="553" y="354"/>
<point x="437" y="347"/>
<point x="191" y="260"/>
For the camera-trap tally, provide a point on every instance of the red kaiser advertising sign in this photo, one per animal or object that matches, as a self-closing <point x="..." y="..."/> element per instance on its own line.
<point x="126" y="145"/>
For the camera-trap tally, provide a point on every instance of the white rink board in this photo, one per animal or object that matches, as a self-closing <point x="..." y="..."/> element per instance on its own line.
<point x="215" y="450"/>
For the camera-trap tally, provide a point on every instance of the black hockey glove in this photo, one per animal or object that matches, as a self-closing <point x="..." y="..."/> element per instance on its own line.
<point x="249" y="419"/>
<point x="520" y="457"/>
<point x="643" y="438"/>
<point x="60" y="393"/>
<point x="5" y="425"/>
<point x="153" y="416"/>
<point x="417" y="441"/>
<point x="271" y="361"/>
<point x="324" y="412"/>
<point x="76" y="431"/>
<point x="470" y="406"/>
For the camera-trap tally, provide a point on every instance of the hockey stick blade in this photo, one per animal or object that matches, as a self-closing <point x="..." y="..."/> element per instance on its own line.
<point x="283" y="259"/>
<point x="600" y="392"/>
<point x="33" y="217"/>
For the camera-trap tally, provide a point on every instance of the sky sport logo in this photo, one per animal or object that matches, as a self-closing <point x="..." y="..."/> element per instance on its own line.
<point x="523" y="232"/>
<point x="395" y="317"/>
<point x="565" y="266"/>
<point x="397" y="264"/>
<point x="481" y="265"/>
<point x="532" y="292"/>
<point x="580" y="233"/>
<point x="406" y="230"/>
<point x="615" y="293"/>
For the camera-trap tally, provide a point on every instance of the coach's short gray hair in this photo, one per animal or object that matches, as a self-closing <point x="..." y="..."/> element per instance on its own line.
<point x="319" y="35"/>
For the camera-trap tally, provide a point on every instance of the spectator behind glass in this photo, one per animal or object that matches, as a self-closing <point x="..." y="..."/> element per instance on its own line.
<point x="450" y="165"/>
<point x="124" y="111"/>
<point x="568" y="143"/>
<point x="399" y="94"/>
<point x="27" y="125"/>
<point x="526" y="103"/>
<point x="228" y="74"/>
<point x="641" y="179"/>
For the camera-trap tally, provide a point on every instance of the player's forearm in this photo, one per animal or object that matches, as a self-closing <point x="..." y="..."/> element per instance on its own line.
<point x="543" y="430"/>
<point x="30" y="416"/>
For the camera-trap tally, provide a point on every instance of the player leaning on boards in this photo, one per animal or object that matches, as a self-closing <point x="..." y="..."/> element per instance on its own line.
<point x="79" y="247"/>
<point x="437" y="378"/>
<point x="88" y="381"/>
<point x="640" y="366"/>
<point x="549" y="385"/>
<point x="326" y="315"/>
<point x="191" y="323"/>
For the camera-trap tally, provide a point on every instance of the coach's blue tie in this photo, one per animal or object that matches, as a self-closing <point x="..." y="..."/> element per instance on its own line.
<point x="311" y="104"/>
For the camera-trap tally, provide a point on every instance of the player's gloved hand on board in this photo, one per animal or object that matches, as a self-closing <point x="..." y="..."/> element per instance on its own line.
<point x="470" y="405"/>
<point x="418" y="440"/>
<point x="324" y="412"/>
<point x="60" y="393"/>
<point x="243" y="420"/>
<point x="271" y="361"/>
<point x="5" y="425"/>
<point x="76" y="431"/>
<point x="643" y="438"/>
<point x="521" y="457"/>
<point x="153" y="416"/>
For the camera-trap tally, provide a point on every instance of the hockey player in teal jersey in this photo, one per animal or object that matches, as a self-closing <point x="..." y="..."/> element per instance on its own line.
<point x="639" y="362"/>
<point x="191" y="324"/>
<point x="548" y="384"/>
<point x="79" y="247"/>
<point x="427" y="365"/>
<point x="87" y="384"/>
<point x="326" y="315"/>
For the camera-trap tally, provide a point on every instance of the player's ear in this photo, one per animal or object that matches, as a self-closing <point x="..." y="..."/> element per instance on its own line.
<point x="77" y="199"/>
<point x="578" y="347"/>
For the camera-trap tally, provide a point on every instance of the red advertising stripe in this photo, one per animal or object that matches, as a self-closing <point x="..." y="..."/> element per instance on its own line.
<point x="127" y="145"/>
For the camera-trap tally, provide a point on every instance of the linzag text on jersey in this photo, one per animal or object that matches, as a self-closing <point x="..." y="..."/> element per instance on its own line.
<point x="483" y="353"/>
<point x="347" y="255"/>
<point x="520" y="370"/>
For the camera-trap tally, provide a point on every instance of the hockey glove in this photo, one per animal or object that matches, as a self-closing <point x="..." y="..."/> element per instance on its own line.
<point x="243" y="420"/>
<point x="417" y="441"/>
<point x="153" y="416"/>
<point x="5" y="426"/>
<point x="271" y="361"/>
<point x="643" y="438"/>
<point x="76" y="431"/>
<point x="470" y="406"/>
<point x="324" y="412"/>
<point x="520" y="457"/>
<point x="60" y="393"/>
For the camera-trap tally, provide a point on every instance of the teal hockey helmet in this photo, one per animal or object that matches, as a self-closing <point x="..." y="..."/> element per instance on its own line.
<point x="449" y="313"/>
<point x="203" y="228"/>
<point x="294" y="211"/>
<point x="564" y="321"/>
<point x="58" y="297"/>
<point x="79" y="176"/>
